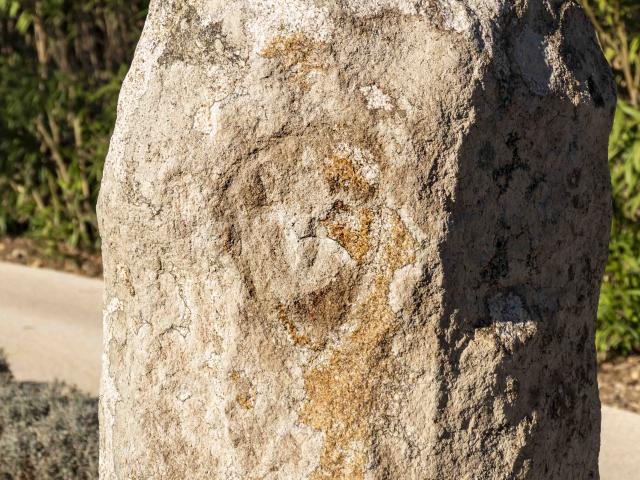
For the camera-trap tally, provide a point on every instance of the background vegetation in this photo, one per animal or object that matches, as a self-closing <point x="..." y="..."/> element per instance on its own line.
<point x="618" y="25"/>
<point x="61" y="65"/>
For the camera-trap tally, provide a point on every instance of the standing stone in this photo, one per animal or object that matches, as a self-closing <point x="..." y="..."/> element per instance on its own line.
<point x="356" y="239"/>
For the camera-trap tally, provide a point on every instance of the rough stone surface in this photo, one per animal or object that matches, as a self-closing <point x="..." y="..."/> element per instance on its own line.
<point x="356" y="239"/>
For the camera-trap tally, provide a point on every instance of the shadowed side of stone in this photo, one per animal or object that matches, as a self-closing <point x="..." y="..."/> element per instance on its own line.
<point x="523" y="261"/>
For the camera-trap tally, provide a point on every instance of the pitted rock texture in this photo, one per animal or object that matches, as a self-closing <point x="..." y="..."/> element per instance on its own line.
<point x="356" y="239"/>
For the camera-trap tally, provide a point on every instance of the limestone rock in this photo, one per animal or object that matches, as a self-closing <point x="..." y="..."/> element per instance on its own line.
<point x="356" y="239"/>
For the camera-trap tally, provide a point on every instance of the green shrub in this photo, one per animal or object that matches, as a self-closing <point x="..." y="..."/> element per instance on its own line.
<point x="47" y="431"/>
<point x="61" y="66"/>
<point x="618" y="25"/>
<point x="619" y="309"/>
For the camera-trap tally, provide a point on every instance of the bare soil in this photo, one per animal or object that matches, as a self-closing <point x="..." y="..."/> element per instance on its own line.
<point x="619" y="381"/>
<point x="28" y="252"/>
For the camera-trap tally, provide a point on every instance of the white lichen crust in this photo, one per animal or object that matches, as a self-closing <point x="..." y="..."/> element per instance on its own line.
<point x="356" y="239"/>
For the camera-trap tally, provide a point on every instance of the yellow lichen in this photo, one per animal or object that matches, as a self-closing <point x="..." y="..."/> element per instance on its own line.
<point x="298" y="54"/>
<point x="245" y="400"/>
<point x="342" y="395"/>
<point x="341" y="174"/>
<point x="246" y="396"/>
<point x="296" y="338"/>
<point x="355" y="240"/>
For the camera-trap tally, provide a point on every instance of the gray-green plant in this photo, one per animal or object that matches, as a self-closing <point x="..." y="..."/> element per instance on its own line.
<point x="47" y="431"/>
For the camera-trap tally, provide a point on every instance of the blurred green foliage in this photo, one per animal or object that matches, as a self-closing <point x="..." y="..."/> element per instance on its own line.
<point x="618" y="26"/>
<point x="61" y="66"/>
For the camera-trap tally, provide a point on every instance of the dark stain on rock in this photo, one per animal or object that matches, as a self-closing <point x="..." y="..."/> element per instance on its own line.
<point x="596" y="95"/>
<point x="486" y="156"/>
<point x="195" y="43"/>
<point x="503" y="175"/>
<point x="537" y="180"/>
<point x="316" y="315"/>
<point x="573" y="179"/>
<point x="498" y="266"/>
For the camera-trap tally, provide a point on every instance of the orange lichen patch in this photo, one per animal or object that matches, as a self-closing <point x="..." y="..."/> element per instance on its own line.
<point x="246" y="400"/>
<point x="296" y="338"/>
<point x="246" y="396"/>
<point x="343" y="394"/>
<point x="356" y="241"/>
<point x="298" y="55"/>
<point x="341" y="174"/>
<point x="400" y="250"/>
